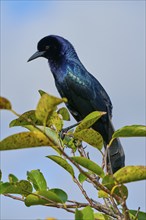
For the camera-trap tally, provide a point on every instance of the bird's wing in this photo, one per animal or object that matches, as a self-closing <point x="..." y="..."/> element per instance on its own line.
<point x="85" y="94"/>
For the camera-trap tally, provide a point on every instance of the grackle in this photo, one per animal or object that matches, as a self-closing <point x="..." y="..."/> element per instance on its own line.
<point x="83" y="91"/>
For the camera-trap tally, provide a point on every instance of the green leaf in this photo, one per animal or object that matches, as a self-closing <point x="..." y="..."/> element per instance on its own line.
<point x="131" y="131"/>
<point x="87" y="213"/>
<point x="47" y="104"/>
<point x="41" y="92"/>
<point x="52" y="136"/>
<point x="102" y="194"/>
<point x="12" y="178"/>
<point x="38" y="198"/>
<point x="108" y="181"/>
<point x="22" y="187"/>
<point x="91" y="137"/>
<point x="84" y="214"/>
<point x="55" y="121"/>
<point x="130" y="174"/>
<point x="5" y="104"/>
<point x="25" y="140"/>
<point x="25" y="186"/>
<point x="100" y="216"/>
<point x="0" y="175"/>
<point x="115" y="188"/>
<point x="27" y="118"/>
<point x="31" y="127"/>
<point x="60" y="193"/>
<point x="141" y="215"/>
<point x="89" y="120"/>
<point x="69" y="142"/>
<point x="90" y="165"/>
<point x="120" y="190"/>
<point x="37" y="179"/>
<point x="63" y="163"/>
<point x="82" y="177"/>
<point x="78" y="215"/>
<point x="65" y="114"/>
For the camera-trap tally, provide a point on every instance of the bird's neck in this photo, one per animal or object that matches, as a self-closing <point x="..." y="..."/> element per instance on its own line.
<point x="57" y="68"/>
<point x="58" y="63"/>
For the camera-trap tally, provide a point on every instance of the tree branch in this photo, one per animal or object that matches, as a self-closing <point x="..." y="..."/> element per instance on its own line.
<point x="14" y="197"/>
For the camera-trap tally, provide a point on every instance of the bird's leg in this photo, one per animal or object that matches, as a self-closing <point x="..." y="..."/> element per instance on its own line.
<point x="65" y="130"/>
<point x="103" y="161"/>
<point x="109" y="166"/>
<point x="107" y="160"/>
<point x="82" y="151"/>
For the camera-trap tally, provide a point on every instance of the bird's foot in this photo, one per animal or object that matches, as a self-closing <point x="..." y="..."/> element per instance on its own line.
<point x="65" y="130"/>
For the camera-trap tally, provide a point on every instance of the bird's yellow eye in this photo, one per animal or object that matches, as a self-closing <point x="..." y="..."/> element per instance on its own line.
<point x="47" y="47"/>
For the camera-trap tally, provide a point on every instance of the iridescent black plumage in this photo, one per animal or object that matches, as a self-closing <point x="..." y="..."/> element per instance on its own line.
<point x="82" y="90"/>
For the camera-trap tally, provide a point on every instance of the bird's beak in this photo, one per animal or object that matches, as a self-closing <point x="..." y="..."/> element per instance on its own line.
<point x="36" y="55"/>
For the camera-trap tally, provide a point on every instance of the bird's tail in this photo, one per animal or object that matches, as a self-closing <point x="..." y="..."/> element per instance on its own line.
<point x="115" y="153"/>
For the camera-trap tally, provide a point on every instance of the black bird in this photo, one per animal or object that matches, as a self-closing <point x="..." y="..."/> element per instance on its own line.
<point x="83" y="91"/>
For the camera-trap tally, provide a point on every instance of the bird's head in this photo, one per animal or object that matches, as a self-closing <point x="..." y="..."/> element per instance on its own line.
<point x="52" y="48"/>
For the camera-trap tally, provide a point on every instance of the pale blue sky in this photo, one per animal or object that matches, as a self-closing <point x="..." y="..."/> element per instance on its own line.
<point x="109" y="37"/>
